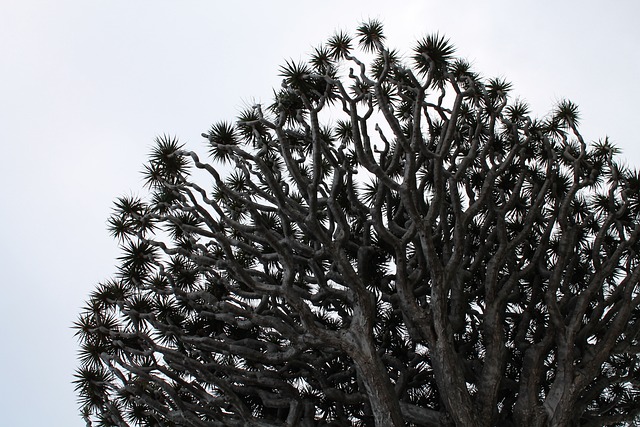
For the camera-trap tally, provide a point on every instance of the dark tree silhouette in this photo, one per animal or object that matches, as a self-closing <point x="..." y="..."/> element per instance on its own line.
<point x="390" y="244"/>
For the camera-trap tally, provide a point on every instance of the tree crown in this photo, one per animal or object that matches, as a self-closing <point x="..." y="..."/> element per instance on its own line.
<point x="392" y="243"/>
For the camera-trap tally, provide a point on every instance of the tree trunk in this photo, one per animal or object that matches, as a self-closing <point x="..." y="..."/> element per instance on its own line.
<point x="384" y="403"/>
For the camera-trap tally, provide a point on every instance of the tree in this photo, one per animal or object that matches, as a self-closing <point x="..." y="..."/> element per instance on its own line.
<point x="391" y="244"/>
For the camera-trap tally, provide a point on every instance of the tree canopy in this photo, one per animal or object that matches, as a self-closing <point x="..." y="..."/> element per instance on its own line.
<point x="393" y="241"/>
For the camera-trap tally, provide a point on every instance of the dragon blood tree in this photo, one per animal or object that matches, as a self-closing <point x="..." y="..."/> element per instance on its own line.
<point x="393" y="241"/>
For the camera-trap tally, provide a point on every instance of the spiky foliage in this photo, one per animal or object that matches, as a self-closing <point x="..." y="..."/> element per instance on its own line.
<point x="435" y="257"/>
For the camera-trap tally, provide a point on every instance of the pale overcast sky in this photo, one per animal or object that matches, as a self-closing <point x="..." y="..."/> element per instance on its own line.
<point x="86" y="85"/>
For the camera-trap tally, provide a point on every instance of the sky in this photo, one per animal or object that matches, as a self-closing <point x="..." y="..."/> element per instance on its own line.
<point x="86" y="86"/>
